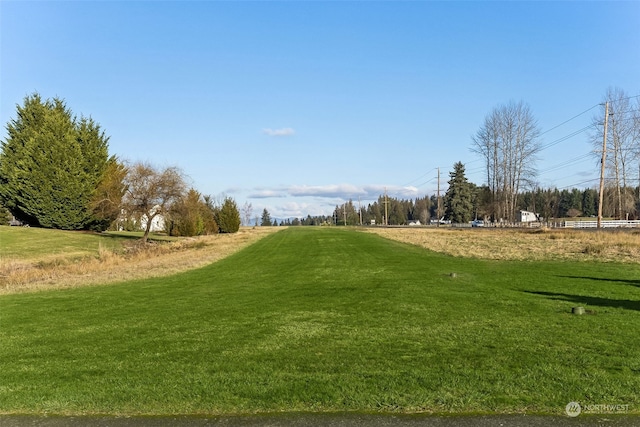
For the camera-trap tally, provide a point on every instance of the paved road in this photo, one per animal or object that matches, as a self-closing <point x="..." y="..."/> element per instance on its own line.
<point x="328" y="420"/>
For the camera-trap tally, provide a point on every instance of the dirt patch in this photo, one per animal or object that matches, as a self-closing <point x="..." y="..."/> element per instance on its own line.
<point x="137" y="262"/>
<point x="518" y="244"/>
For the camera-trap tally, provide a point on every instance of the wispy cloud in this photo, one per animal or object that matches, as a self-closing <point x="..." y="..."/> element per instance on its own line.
<point x="392" y="190"/>
<point x="300" y="200"/>
<point x="266" y="194"/>
<point x="337" y="191"/>
<point x="279" y="132"/>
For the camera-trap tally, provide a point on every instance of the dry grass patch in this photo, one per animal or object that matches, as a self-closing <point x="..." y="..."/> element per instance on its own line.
<point x="517" y="244"/>
<point x="137" y="261"/>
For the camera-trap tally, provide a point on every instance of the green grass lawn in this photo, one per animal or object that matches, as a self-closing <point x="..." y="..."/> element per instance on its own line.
<point x="329" y="320"/>
<point x="28" y="243"/>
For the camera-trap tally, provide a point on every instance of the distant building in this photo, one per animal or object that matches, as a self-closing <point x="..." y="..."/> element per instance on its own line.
<point x="157" y="222"/>
<point x="133" y="222"/>
<point x="413" y="222"/>
<point x="526" y="216"/>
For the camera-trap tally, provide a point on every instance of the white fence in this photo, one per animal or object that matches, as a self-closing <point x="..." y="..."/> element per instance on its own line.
<point x="605" y="224"/>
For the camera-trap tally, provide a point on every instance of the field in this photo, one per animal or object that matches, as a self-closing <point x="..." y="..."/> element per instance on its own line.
<point x="35" y="259"/>
<point x="620" y="246"/>
<point x="328" y="320"/>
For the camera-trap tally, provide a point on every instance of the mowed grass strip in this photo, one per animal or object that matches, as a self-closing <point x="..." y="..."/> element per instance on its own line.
<point x="29" y="243"/>
<point x="329" y="320"/>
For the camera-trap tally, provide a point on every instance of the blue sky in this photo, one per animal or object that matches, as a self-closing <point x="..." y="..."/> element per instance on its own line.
<point x="297" y="106"/>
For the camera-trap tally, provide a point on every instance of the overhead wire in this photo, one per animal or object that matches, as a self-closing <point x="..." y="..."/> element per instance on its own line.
<point x="564" y="138"/>
<point x="420" y="177"/>
<point x="567" y="163"/>
<point x="544" y="146"/>
<point x="572" y="118"/>
<point x="611" y="101"/>
<point x="579" y="183"/>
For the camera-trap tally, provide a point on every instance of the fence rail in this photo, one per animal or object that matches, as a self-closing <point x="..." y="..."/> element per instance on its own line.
<point x="605" y="224"/>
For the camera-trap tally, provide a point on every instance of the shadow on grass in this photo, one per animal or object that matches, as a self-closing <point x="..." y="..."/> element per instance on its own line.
<point x="119" y="236"/>
<point x="590" y="301"/>
<point x="602" y="279"/>
<point x="127" y="235"/>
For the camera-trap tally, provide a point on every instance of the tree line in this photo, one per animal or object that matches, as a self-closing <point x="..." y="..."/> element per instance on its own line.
<point x="508" y="142"/>
<point x="463" y="202"/>
<point x="56" y="172"/>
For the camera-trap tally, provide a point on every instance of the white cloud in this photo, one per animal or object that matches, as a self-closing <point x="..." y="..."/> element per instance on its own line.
<point x="339" y="190"/>
<point x="301" y="200"/>
<point x="265" y="194"/>
<point x="279" y="132"/>
<point x="294" y="210"/>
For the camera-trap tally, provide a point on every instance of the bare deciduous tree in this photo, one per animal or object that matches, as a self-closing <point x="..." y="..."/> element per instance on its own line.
<point x="623" y="140"/>
<point x="508" y="143"/>
<point x="150" y="191"/>
<point x="247" y="210"/>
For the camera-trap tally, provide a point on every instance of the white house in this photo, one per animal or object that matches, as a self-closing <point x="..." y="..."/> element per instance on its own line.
<point x="157" y="222"/>
<point x="526" y="216"/>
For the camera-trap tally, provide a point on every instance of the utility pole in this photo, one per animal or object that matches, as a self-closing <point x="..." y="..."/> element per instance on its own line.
<point x="360" y="210"/>
<point x="438" y="200"/>
<point x="604" y="157"/>
<point x="386" y="210"/>
<point x="344" y="210"/>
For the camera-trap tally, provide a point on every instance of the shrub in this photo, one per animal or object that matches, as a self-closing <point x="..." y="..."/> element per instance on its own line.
<point x="228" y="217"/>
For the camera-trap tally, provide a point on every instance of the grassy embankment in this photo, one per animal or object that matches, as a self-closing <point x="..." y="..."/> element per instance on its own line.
<point x="329" y="320"/>
<point x="34" y="259"/>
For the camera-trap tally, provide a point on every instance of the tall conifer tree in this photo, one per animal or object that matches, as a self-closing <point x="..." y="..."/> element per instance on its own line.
<point x="51" y="165"/>
<point x="458" y="200"/>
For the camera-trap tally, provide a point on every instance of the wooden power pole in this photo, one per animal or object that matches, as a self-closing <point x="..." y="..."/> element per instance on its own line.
<point x="604" y="158"/>
<point x="438" y="200"/>
<point x="386" y="210"/>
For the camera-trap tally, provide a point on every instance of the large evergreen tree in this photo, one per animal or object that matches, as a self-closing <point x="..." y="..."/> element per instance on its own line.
<point x="458" y="201"/>
<point x="51" y="164"/>
<point x="266" y="218"/>
<point x="228" y="216"/>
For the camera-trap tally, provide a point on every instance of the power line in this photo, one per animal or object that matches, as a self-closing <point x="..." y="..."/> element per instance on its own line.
<point x="567" y="121"/>
<point x="564" y="138"/>
<point x="542" y="147"/>
<point x="579" y="183"/>
<point x="478" y="169"/>
<point x="567" y="163"/>
<point x="420" y="177"/>
<point x="622" y="99"/>
<point x="427" y="182"/>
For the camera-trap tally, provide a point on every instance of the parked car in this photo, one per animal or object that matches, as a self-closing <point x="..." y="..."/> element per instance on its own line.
<point x="477" y="223"/>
